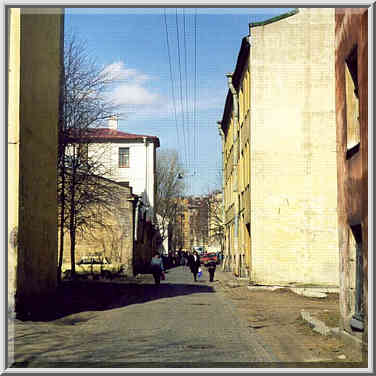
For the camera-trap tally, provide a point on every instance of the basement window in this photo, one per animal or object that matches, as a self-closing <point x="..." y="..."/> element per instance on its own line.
<point x="352" y="104"/>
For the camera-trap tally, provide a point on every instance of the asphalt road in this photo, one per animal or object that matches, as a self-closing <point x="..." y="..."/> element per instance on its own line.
<point x="180" y="323"/>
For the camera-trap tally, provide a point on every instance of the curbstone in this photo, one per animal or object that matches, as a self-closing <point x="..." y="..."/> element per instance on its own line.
<point x="316" y="325"/>
<point x="309" y="293"/>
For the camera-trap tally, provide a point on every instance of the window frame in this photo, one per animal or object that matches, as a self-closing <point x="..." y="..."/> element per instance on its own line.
<point x="126" y="163"/>
<point x="351" y="73"/>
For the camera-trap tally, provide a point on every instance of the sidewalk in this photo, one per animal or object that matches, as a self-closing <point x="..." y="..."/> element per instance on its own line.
<point x="284" y="314"/>
<point x="321" y="320"/>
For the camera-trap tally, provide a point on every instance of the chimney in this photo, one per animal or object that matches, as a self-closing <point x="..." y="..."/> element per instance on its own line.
<point x="113" y="122"/>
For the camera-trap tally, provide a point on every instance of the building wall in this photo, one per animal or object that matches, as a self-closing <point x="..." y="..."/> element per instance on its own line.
<point x="215" y="220"/>
<point x="140" y="173"/>
<point x="229" y="195"/>
<point x="293" y="151"/>
<point x="35" y="65"/>
<point x="14" y="22"/>
<point x="113" y="238"/>
<point x="236" y="129"/>
<point x="243" y="166"/>
<point x="351" y="31"/>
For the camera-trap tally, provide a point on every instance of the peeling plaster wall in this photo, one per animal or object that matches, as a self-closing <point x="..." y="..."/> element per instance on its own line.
<point x="293" y="151"/>
<point x="351" y="30"/>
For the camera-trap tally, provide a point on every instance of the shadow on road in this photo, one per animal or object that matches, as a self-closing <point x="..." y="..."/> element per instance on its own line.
<point x="79" y="296"/>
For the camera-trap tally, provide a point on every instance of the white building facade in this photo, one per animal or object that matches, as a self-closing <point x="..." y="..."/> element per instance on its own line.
<point x="127" y="158"/>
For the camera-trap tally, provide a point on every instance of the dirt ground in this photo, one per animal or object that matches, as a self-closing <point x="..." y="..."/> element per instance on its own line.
<point x="275" y="315"/>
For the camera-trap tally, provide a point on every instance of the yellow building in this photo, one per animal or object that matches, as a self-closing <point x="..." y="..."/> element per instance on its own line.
<point x="236" y="141"/>
<point x="280" y="153"/>
<point x="110" y="228"/>
<point x="192" y="222"/>
<point x="35" y="38"/>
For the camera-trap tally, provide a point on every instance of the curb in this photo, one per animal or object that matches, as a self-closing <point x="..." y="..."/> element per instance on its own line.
<point x="317" y="325"/>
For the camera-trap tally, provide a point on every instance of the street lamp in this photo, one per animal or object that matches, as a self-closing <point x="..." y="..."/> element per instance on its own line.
<point x="182" y="176"/>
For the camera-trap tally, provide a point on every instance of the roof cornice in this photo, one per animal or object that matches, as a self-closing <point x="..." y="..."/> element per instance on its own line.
<point x="274" y="19"/>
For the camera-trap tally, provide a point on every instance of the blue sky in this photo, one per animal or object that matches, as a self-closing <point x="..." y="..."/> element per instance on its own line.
<point x="132" y="43"/>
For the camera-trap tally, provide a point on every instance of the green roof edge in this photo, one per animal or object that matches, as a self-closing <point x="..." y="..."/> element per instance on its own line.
<point x="274" y="19"/>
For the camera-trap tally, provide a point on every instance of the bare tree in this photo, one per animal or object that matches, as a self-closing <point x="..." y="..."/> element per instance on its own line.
<point x="169" y="187"/>
<point x="215" y="218"/>
<point x="85" y="106"/>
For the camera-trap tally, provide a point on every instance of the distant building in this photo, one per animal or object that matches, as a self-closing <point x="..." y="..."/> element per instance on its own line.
<point x="193" y="222"/>
<point x="279" y="155"/>
<point x="215" y="222"/>
<point x="351" y="73"/>
<point x="35" y="53"/>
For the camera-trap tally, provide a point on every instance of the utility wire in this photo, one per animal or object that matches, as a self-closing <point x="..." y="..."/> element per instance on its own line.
<point x="171" y="79"/>
<point x="181" y="89"/>
<point x="195" y="152"/>
<point x="186" y="82"/>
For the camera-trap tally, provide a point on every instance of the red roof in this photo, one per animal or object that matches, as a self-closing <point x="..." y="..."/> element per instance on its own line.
<point x="103" y="134"/>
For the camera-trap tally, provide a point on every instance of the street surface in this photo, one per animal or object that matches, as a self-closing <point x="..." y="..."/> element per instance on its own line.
<point x="180" y="323"/>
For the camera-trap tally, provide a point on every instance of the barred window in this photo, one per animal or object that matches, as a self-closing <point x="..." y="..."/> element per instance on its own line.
<point x="123" y="157"/>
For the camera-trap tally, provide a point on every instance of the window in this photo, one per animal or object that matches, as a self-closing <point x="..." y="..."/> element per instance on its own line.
<point x="123" y="157"/>
<point x="352" y="103"/>
<point x="357" y="321"/>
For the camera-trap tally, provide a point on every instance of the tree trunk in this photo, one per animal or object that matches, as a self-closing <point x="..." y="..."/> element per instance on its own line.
<point x="72" y="225"/>
<point x="62" y="214"/>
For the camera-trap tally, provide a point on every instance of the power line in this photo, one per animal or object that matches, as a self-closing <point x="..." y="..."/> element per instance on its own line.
<point x="181" y="87"/>
<point x="195" y="153"/>
<point x="171" y="78"/>
<point x="186" y="81"/>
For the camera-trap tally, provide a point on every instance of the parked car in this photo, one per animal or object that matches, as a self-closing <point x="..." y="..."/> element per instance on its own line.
<point x="206" y="257"/>
<point x="95" y="266"/>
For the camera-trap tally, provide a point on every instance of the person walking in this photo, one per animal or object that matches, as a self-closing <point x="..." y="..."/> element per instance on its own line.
<point x="211" y="265"/>
<point x="157" y="267"/>
<point x="194" y="264"/>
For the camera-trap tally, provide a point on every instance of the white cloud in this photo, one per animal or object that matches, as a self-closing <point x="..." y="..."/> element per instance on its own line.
<point x="133" y="94"/>
<point x="129" y="90"/>
<point x="118" y="71"/>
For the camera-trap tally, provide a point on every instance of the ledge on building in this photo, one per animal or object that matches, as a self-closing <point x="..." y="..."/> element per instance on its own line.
<point x="274" y="19"/>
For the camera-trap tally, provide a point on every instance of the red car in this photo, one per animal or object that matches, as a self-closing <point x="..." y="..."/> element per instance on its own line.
<point x="206" y="257"/>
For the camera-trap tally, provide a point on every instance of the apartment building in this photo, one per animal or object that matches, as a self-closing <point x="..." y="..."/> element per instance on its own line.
<point x="351" y="75"/>
<point x="279" y="156"/>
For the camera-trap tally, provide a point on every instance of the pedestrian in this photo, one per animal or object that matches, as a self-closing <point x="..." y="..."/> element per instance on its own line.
<point x="157" y="268"/>
<point x="211" y="265"/>
<point x="194" y="264"/>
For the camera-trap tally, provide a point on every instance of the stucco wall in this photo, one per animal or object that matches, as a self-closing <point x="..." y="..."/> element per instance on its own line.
<point x="113" y="238"/>
<point x="13" y="149"/>
<point x="293" y="151"/>
<point x="351" y="30"/>
<point x="41" y="39"/>
<point x="140" y="173"/>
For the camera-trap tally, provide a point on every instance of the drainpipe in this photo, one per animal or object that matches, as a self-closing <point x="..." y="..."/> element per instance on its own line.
<point x="146" y="174"/>
<point x="136" y="219"/>
<point x="235" y="112"/>
<point x="223" y="184"/>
